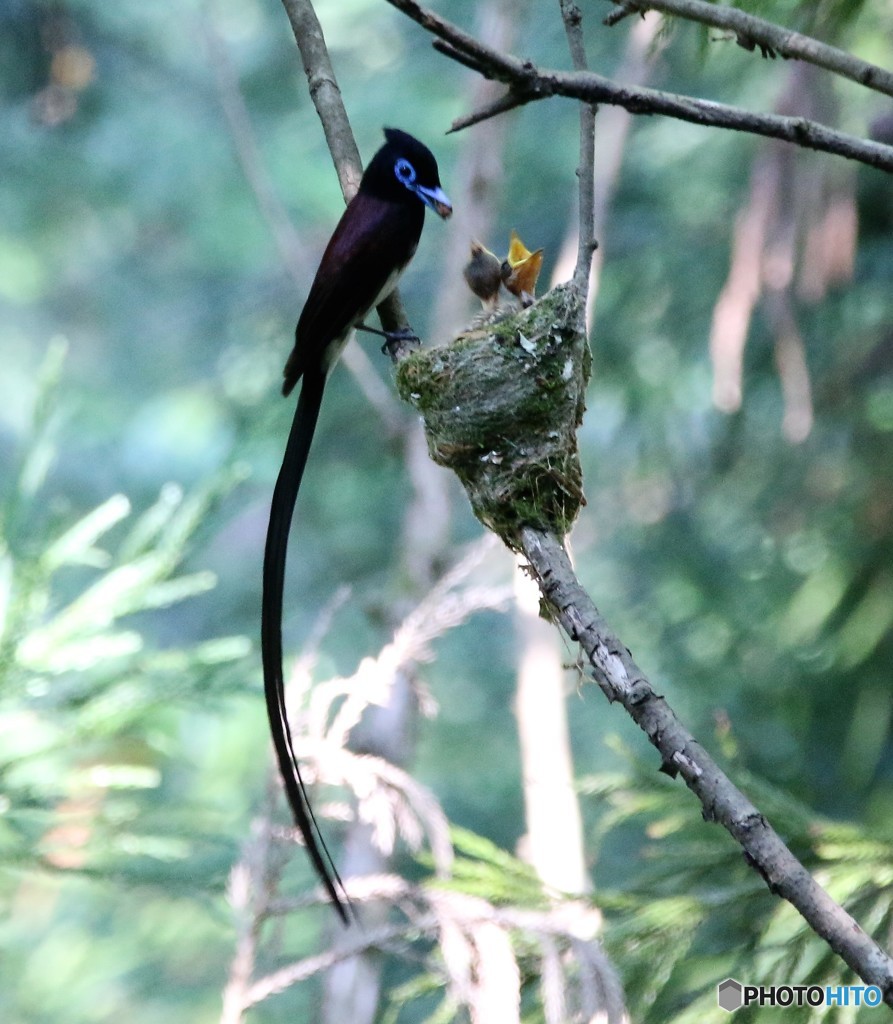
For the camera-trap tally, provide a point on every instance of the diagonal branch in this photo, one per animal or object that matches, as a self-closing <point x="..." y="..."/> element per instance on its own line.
<point x="527" y="82"/>
<point x="508" y="101"/>
<point x="522" y="476"/>
<point x="623" y="681"/>
<point x="292" y="252"/>
<point x="326" y="96"/>
<point x="366" y="941"/>
<point x="751" y="32"/>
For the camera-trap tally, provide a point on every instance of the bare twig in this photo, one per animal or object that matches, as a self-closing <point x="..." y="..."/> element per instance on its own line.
<point x="253" y="884"/>
<point x="361" y="942"/>
<point x="527" y="83"/>
<point x="475" y="949"/>
<point x="620" y="13"/>
<point x="613" y="130"/>
<point x="623" y="681"/>
<point x="751" y="32"/>
<point x="446" y="606"/>
<point x="573" y="27"/>
<point x="509" y="101"/>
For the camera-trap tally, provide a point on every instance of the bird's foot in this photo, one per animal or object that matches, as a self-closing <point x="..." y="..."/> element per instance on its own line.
<point x="396" y="342"/>
<point x="400" y="342"/>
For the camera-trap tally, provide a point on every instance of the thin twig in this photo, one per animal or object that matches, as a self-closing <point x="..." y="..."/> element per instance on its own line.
<point x="621" y="11"/>
<point x="751" y="32"/>
<point x="529" y="83"/>
<point x="573" y="27"/>
<point x="363" y="942"/>
<point x="509" y="101"/>
<point x="432" y="914"/>
<point x="253" y="885"/>
<point x="623" y="681"/>
<point x="614" y="124"/>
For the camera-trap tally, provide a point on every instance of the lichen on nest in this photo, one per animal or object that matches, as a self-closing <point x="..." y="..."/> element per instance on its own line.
<point x="501" y="406"/>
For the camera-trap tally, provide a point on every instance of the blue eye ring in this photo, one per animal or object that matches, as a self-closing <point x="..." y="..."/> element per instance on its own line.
<point x="405" y="171"/>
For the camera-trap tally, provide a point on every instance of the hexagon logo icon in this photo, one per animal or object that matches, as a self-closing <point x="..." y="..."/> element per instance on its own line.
<point x="729" y="994"/>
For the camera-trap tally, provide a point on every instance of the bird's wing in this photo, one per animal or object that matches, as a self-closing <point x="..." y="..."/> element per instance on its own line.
<point x="373" y="239"/>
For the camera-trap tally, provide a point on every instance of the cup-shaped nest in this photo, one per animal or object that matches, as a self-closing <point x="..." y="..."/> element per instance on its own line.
<point x="501" y="406"/>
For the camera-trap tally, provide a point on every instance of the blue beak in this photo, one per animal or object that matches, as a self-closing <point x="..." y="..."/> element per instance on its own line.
<point x="436" y="198"/>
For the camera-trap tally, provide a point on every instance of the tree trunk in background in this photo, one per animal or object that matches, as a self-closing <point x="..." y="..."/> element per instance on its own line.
<point x="795" y="237"/>
<point x="554" y="840"/>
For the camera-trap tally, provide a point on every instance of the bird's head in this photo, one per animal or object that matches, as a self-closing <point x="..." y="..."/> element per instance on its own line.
<point x="404" y="169"/>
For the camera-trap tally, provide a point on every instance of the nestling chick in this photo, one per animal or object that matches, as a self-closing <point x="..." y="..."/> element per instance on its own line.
<point x="521" y="270"/>
<point x="483" y="275"/>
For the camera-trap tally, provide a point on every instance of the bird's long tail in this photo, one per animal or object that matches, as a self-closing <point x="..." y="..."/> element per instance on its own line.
<point x="284" y="496"/>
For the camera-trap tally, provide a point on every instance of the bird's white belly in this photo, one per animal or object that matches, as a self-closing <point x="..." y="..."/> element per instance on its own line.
<point x="389" y="286"/>
<point x="336" y="346"/>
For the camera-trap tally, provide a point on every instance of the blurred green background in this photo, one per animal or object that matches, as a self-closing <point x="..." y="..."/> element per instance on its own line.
<point x="145" y="313"/>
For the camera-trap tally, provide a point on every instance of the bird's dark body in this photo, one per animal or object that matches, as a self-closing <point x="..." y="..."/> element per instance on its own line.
<point x="373" y="242"/>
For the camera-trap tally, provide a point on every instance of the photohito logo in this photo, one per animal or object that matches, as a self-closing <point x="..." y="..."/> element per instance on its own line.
<point x="732" y="995"/>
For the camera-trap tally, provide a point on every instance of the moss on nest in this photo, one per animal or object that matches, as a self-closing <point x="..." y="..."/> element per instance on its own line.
<point x="501" y="406"/>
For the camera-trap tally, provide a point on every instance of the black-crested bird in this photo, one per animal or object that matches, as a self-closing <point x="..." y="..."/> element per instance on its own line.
<point x="521" y="270"/>
<point x="368" y="251"/>
<point x="483" y="275"/>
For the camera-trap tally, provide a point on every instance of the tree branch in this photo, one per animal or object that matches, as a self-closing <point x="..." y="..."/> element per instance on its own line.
<point x="751" y="32"/>
<point x="526" y="83"/>
<point x="363" y="941"/>
<point x="623" y="681"/>
<point x="326" y="96"/>
<point x="519" y="470"/>
<point x="573" y="27"/>
<point x="508" y="101"/>
<point x="463" y="927"/>
<point x="292" y="251"/>
<point x="253" y="885"/>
